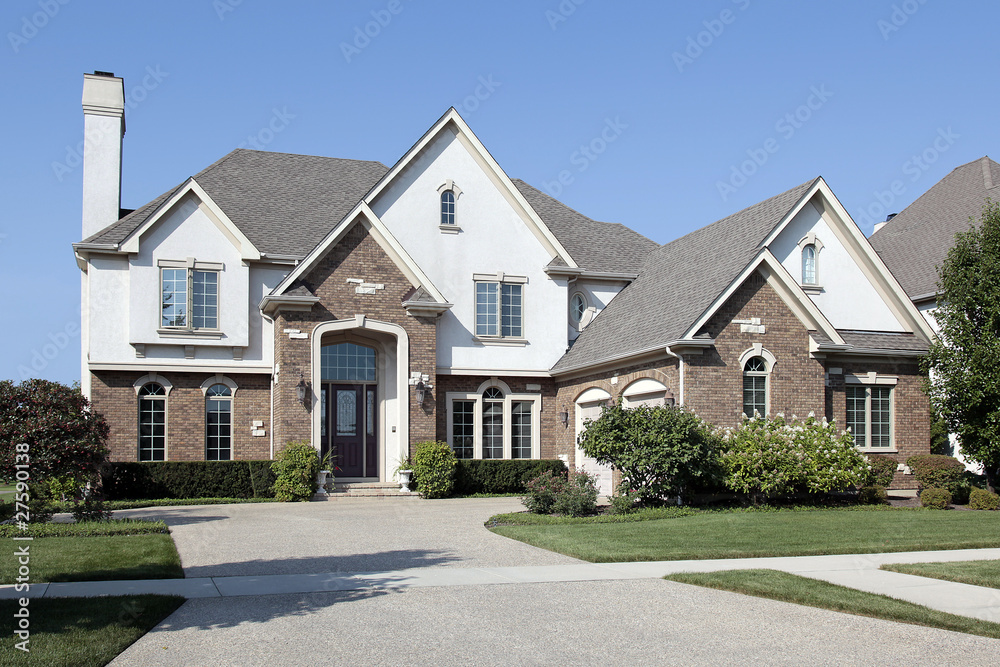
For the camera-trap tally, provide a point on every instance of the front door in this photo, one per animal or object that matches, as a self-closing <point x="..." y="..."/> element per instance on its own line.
<point x="349" y="413"/>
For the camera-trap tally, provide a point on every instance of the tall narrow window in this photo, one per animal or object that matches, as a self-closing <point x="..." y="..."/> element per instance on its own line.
<point x="448" y="207"/>
<point x="152" y="422"/>
<point x="869" y="415"/>
<point x="218" y="423"/>
<point x="492" y="423"/>
<point x="809" y="265"/>
<point x="520" y="429"/>
<point x="463" y="429"/>
<point x="755" y="387"/>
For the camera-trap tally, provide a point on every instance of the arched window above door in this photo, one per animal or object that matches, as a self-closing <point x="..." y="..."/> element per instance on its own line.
<point x="348" y="362"/>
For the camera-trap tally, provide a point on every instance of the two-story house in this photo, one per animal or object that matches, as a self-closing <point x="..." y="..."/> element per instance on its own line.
<point x="274" y="297"/>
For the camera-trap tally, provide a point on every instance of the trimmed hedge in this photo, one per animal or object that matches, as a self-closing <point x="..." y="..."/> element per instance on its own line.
<point x="981" y="499"/>
<point x="501" y="476"/>
<point x="934" y="471"/>
<point x="188" y="479"/>
<point x="937" y="499"/>
<point x="883" y="469"/>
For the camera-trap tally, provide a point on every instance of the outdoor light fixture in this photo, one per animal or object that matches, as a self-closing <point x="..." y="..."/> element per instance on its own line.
<point x="421" y="392"/>
<point x="300" y="390"/>
<point x="564" y="418"/>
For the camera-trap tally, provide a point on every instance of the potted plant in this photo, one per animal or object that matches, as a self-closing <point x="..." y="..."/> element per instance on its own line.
<point x="405" y="472"/>
<point x="325" y="474"/>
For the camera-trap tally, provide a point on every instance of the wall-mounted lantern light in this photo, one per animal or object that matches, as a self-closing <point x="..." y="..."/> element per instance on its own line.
<point x="301" y="389"/>
<point x="564" y="418"/>
<point x="421" y="392"/>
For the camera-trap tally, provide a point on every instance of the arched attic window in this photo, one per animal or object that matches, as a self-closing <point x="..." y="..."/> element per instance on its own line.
<point x="448" y="207"/>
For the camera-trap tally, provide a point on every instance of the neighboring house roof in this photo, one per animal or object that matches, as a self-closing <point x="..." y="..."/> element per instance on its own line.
<point x="915" y="243"/>
<point x="594" y="246"/>
<point x="678" y="283"/>
<point x="285" y="204"/>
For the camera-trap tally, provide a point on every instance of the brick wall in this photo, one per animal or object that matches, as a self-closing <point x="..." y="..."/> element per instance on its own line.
<point x="359" y="256"/>
<point x="114" y="396"/>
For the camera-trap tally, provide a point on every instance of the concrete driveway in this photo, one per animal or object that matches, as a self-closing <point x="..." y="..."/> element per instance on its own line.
<point x="345" y="535"/>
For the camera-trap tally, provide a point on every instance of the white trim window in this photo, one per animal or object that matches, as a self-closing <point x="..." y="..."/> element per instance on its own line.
<point x="755" y="380"/>
<point x="809" y="265"/>
<point x="448" y="207"/>
<point x="152" y="422"/>
<point x="577" y="307"/>
<point x="870" y="415"/>
<point x="189" y="295"/>
<point x="494" y="423"/>
<point x="218" y="423"/>
<point x="499" y="306"/>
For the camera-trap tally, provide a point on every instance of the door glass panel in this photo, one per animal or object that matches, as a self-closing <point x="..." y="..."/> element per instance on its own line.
<point x="370" y="413"/>
<point x="347" y="412"/>
<point x="322" y="412"/>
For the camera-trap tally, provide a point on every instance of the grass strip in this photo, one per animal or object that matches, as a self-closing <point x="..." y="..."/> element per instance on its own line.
<point x="813" y="593"/>
<point x="975" y="572"/>
<point x="68" y="632"/>
<point x="98" y="559"/>
<point x="732" y="534"/>
<point x="86" y="529"/>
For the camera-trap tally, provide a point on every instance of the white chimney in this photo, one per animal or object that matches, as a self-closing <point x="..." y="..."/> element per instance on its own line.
<point x="103" y="129"/>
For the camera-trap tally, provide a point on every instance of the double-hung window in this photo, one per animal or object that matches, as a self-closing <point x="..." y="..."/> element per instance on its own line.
<point x="494" y="424"/>
<point x="869" y="415"/>
<point x="189" y="295"/>
<point x="499" y="306"/>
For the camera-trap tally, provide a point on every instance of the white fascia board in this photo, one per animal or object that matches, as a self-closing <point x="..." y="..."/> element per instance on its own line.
<point x="784" y="285"/>
<point x="179" y="368"/>
<point x="492" y="168"/>
<point x="492" y="372"/>
<point x="382" y="236"/>
<point x="864" y="255"/>
<point x="248" y="251"/>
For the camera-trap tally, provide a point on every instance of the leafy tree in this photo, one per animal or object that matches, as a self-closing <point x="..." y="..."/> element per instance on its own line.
<point x="62" y="434"/>
<point x="661" y="451"/>
<point x="964" y="361"/>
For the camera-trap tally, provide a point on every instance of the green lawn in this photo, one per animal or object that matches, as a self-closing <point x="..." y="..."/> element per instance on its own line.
<point x="82" y="631"/>
<point x="6" y="490"/>
<point x="802" y="590"/>
<point x="98" y="558"/>
<point x="751" y="534"/>
<point x="975" y="572"/>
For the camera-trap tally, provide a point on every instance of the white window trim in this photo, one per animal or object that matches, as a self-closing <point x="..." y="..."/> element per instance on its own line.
<point x="869" y="379"/>
<point x="758" y="350"/>
<point x="190" y="331"/>
<point x="508" y="399"/>
<point x="166" y="415"/>
<point x="218" y="379"/>
<point x="152" y="377"/>
<point x="810" y="239"/>
<point x="453" y="228"/>
<point x="500" y="278"/>
<point x="578" y="321"/>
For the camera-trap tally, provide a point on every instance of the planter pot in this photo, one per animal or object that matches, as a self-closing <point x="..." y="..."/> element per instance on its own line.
<point x="321" y="478"/>
<point x="404" y="480"/>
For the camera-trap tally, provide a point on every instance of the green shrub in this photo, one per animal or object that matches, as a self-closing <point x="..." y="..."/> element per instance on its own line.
<point x="872" y="495"/>
<point x="981" y="499"/>
<point x="578" y="497"/>
<point x="764" y="457"/>
<point x="542" y="491"/>
<point x="934" y="471"/>
<point x="500" y="476"/>
<point x="90" y="509"/>
<point x="883" y="470"/>
<point x="187" y="479"/>
<point x="295" y="472"/>
<point x="660" y="451"/>
<point x="623" y="501"/>
<point x="434" y="469"/>
<point x="937" y="499"/>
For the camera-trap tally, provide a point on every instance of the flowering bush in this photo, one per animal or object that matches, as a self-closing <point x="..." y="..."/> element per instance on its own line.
<point x="542" y="492"/>
<point x="553" y="493"/>
<point x="774" y="456"/>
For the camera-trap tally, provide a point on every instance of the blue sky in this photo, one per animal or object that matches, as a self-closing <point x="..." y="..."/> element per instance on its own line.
<point x="664" y="116"/>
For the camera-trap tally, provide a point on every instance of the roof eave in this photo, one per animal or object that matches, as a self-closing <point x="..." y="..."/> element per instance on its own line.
<point x="425" y="308"/>
<point x="271" y="304"/>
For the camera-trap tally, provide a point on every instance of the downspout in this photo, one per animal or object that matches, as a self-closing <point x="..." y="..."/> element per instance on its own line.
<point x="680" y="368"/>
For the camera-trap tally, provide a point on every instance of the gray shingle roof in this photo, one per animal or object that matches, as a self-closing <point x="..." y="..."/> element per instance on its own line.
<point x="597" y="246"/>
<point x="283" y="203"/>
<point x="914" y="243"/>
<point x="884" y="340"/>
<point x="678" y="283"/>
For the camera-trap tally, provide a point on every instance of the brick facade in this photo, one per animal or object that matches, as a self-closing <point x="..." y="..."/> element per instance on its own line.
<point x="113" y="395"/>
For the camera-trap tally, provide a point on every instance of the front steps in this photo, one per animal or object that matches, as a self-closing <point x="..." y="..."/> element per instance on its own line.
<point x="365" y="490"/>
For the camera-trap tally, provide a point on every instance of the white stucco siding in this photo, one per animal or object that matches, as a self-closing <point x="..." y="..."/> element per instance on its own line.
<point x="108" y="319"/>
<point x="597" y="294"/>
<point x="493" y="238"/>
<point x="927" y="309"/>
<point x="848" y="298"/>
<point x="188" y="232"/>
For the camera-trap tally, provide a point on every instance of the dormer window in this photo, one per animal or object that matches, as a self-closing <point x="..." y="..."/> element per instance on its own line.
<point x="809" y="264"/>
<point x="448" y="207"/>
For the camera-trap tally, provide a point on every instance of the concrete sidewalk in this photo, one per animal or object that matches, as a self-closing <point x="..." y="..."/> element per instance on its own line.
<point x="858" y="571"/>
